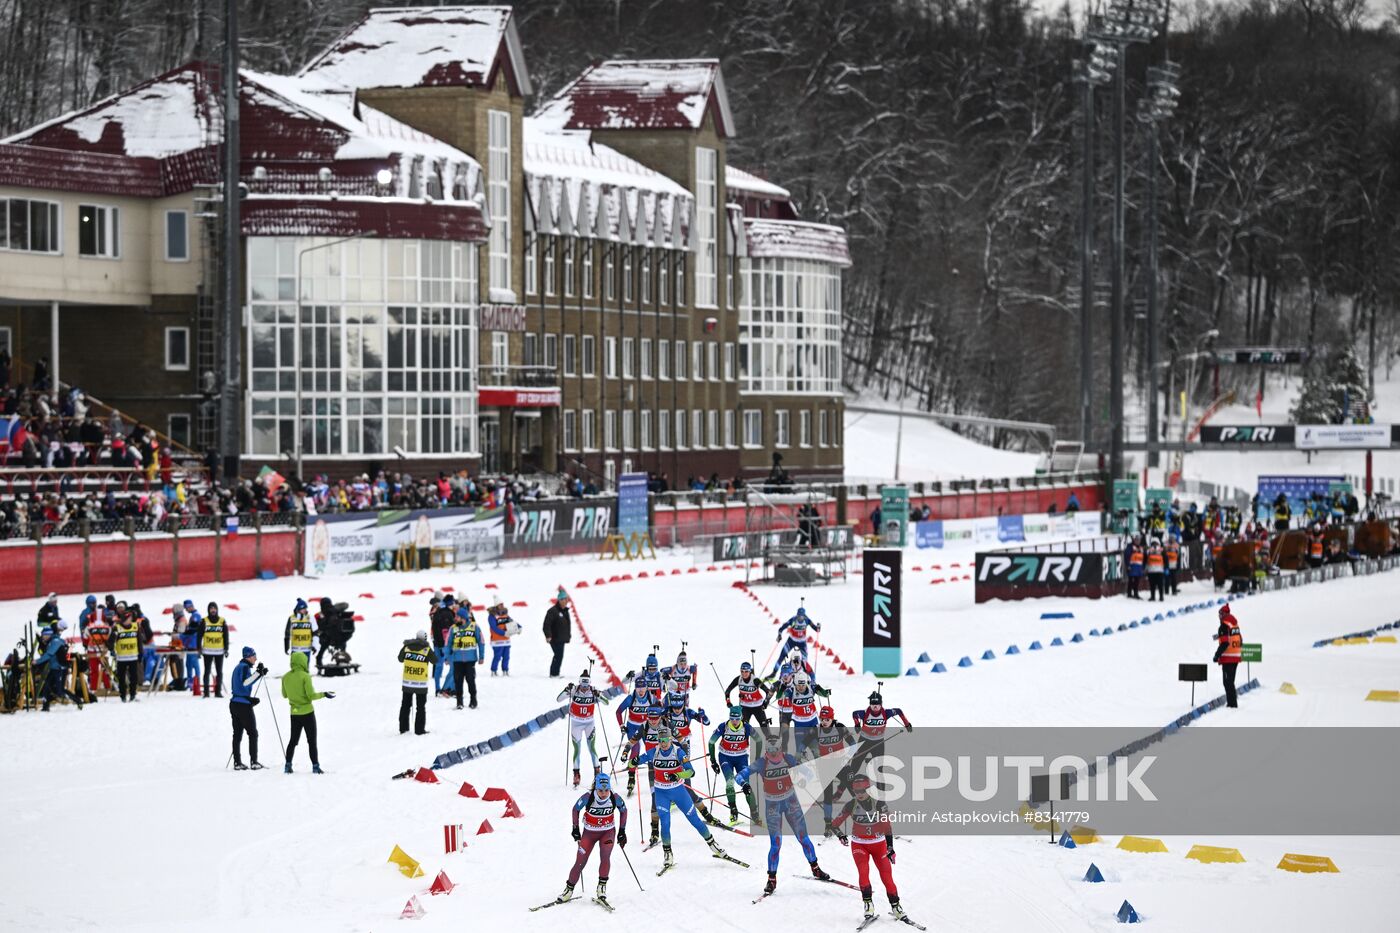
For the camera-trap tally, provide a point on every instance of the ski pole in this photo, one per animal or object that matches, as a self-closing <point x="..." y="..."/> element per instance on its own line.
<point x="631" y="869"/>
<point x="719" y="680"/>
<point x="568" y="737"/>
<point x="770" y="656"/>
<point x="273" y="709"/>
<point x="709" y="775"/>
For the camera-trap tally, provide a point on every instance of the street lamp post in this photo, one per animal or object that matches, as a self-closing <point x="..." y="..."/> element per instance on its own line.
<point x="1158" y="105"/>
<point x="1125" y="23"/>
<point x="1094" y="71"/>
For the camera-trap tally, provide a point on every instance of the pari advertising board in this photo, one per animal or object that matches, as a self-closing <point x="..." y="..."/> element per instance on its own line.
<point x="880" y="602"/>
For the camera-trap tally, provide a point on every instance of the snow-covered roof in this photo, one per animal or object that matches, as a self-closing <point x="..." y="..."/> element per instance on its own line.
<point x="581" y="187"/>
<point x="169" y="114"/>
<point x="160" y="138"/>
<point x="441" y="46"/>
<point x="796" y="239"/>
<point x="739" y="181"/>
<point x="364" y="132"/>
<point x="648" y="94"/>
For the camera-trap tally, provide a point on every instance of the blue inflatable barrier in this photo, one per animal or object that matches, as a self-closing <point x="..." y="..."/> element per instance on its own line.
<point x="912" y="672"/>
<point x="1126" y="914"/>
<point x="1093" y="875"/>
<point x="924" y="658"/>
<point x="1056" y="643"/>
<point x="1093" y="633"/>
<point x="1134" y="624"/>
<point x="1057" y="615"/>
<point x="1076" y="639"/>
<point x="1013" y="650"/>
<point x="1035" y="646"/>
<point x="938" y="669"/>
<point x="988" y="655"/>
<point x="965" y="662"/>
<point x="1066" y="840"/>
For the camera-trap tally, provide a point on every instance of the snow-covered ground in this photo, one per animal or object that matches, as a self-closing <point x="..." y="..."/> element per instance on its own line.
<point x="927" y="451"/>
<point x="123" y="817"/>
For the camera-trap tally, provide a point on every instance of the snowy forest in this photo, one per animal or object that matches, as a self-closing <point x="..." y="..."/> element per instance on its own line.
<point x="945" y="135"/>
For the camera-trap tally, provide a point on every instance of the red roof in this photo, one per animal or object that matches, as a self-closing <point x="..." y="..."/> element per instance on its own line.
<point x="161" y="138"/>
<point x="666" y="94"/>
<point x="173" y="112"/>
<point x="87" y="172"/>
<point x="441" y="46"/>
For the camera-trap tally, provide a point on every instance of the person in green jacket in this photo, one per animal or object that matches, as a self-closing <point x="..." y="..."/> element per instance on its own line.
<point x="301" y="693"/>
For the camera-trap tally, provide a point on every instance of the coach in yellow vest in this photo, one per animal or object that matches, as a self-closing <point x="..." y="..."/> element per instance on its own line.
<point x="417" y="657"/>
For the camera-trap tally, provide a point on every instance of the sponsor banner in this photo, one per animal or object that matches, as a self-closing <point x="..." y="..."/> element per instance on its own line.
<point x="1034" y="528"/>
<point x="350" y="543"/>
<point x="1343" y="436"/>
<point x="1298" y="490"/>
<point x="880" y="602"/>
<point x="1262" y="356"/>
<point x="632" y="504"/>
<point x="559" y="527"/>
<point x="1244" y="435"/>
<point x="753" y="544"/>
<point x="519" y="398"/>
<point x="505" y="318"/>
<point x="928" y="534"/>
<point x="1010" y="528"/>
<point x="1028" y="569"/>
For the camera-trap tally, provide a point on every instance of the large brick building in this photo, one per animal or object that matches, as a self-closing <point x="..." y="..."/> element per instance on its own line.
<point x="592" y="288"/>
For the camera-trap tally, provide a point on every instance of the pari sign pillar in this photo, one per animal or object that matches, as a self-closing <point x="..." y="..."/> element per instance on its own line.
<point x="880" y="605"/>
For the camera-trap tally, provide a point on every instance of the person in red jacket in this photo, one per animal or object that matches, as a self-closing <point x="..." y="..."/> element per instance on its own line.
<point x="871" y="840"/>
<point x="1227" y="653"/>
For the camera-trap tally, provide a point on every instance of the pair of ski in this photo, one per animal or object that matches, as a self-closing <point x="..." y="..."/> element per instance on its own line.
<point x="873" y="917"/>
<point x="725" y="856"/>
<point x="846" y="884"/>
<point x="827" y="880"/>
<point x="600" y="901"/>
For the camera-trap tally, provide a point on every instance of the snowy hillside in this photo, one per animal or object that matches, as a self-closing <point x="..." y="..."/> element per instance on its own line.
<point x="1243" y="469"/>
<point x="927" y="451"/>
<point x="143" y="792"/>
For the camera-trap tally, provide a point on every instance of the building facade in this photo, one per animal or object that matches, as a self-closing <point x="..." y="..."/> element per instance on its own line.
<point x="433" y="277"/>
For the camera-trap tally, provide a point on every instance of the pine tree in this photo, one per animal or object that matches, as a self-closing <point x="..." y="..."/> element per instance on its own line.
<point x="1334" y="391"/>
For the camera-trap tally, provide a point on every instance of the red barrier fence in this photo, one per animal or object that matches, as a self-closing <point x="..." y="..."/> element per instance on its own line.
<point x="77" y="566"/>
<point x="681" y="524"/>
<point x="69" y="565"/>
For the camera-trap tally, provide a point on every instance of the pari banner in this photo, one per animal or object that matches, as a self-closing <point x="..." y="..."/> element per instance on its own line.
<point x="880" y="602"/>
<point x="1006" y="529"/>
<point x="350" y="543"/>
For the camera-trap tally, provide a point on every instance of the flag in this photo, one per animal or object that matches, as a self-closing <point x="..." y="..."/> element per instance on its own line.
<point x="272" y="480"/>
<point x="231" y="526"/>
